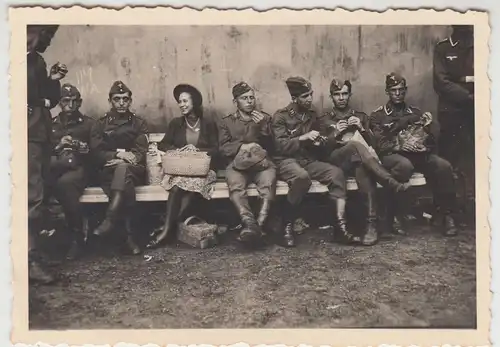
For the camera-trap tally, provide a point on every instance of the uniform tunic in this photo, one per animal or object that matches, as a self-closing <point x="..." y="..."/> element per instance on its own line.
<point x="453" y="63"/>
<point x="115" y="132"/>
<point x="297" y="161"/>
<point x="401" y="165"/>
<point x="235" y="131"/>
<point x="67" y="179"/>
<point x="348" y="155"/>
<point x="40" y="87"/>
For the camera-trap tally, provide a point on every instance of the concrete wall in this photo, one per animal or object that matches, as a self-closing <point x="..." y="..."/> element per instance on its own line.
<point x="152" y="60"/>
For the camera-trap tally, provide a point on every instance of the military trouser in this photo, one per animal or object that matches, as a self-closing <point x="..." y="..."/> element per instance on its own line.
<point x="351" y="158"/>
<point x="265" y="181"/>
<point x="124" y="178"/>
<point x="38" y="169"/>
<point x="438" y="173"/>
<point x="299" y="173"/>
<point x="68" y="187"/>
<point x="457" y="144"/>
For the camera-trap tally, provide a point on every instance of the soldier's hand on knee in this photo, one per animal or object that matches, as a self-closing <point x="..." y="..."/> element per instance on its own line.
<point x="408" y="147"/>
<point x="312" y="135"/>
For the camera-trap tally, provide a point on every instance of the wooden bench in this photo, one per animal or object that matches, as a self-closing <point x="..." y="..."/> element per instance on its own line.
<point x="152" y="193"/>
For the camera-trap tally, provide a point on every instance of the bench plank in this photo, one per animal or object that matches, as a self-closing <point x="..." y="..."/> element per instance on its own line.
<point x="157" y="193"/>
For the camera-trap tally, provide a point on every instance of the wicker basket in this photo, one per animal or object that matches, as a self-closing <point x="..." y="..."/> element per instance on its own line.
<point x="200" y="235"/>
<point x="186" y="161"/>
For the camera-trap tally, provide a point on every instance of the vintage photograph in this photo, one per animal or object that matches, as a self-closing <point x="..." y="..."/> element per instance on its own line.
<point x="238" y="176"/>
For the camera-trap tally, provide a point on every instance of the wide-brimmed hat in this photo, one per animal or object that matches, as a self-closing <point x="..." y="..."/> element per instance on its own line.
<point x="187" y="88"/>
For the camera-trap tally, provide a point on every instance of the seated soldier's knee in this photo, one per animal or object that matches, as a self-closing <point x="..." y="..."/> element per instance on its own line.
<point x="442" y="165"/>
<point x="403" y="169"/>
<point x="302" y="178"/>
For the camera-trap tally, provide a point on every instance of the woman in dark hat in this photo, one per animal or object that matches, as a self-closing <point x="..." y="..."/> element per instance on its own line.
<point x="192" y="128"/>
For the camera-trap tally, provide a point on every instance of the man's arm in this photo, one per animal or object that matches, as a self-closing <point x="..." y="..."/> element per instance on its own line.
<point x="444" y="85"/>
<point x="284" y="143"/>
<point x="141" y="143"/>
<point x="98" y="149"/>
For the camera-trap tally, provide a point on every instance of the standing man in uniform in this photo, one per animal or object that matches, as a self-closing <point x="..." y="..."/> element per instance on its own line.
<point x="296" y="155"/>
<point x="340" y="125"/>
<point x="70" y="164"/>
<point x="386" y="123"/>
<point x="454" y="84"/>
<point x="119" y="143"/>
<point x="43" y="95"/>
<point x="244" y="144"/>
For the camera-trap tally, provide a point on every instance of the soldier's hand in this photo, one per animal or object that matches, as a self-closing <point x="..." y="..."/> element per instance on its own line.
<point x="129" y="157"/>
<point x="114" y="162"/>
<point x="58" y="71"/>
<point x="408" y="147"/>
<point x="342" y="125"/>
<point x="257" y="116"/>
<point x="354" y="121"/>
<point x="65" y="141"/>
<point x="312" y="135"/>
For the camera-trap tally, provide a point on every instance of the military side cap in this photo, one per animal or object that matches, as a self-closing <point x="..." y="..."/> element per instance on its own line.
<point x="393" y="79"/>
<point x="338" y="84"/>
<point x="240" y="89"/>
<point x="298" y="86"/>
<point x="119" y="88"/>
<point x="69" y="90"/>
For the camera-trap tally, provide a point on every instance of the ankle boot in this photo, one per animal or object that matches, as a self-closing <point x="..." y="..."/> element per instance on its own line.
<point x="342" y="234"/>
<point x="383" y="176"/>
<point x="133" y="248"/>
<point x="112" y="214"/>
<point x="171" y="218"/>
<point x="77" y="244"/>
<point x="289" y="215"/>
<point x="371" y="235"/>
<point x="446" y="206"/>
<point x="251" y="231"/>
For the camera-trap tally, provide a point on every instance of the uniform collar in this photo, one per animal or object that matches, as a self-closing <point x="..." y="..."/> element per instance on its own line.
<point x="342" y="113"/>
<point x="237" y="115"/>
<point x="294" y="112"/>
<point x="75" y="118"/>
<point x="113" y="115"/>
<point x="466" y="41"/>
<point x="389" y="108"/>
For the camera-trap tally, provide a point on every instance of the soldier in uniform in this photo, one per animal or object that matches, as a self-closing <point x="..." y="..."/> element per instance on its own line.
<point x="70" y="163"/>
<point x="387" y="122"/>
<point x="296" y="157"/>
<point x="43" y="95"/>
<point x="244" y="144"/>
<point x="119" y="144"/>
<point x="340" y="125"/>
<point x="454" y="84"/>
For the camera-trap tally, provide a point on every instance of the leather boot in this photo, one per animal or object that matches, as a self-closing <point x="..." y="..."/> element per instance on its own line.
<point x="371" y="235"/>
<point x="77" y="244"/>
<point x="112" y="214"/>
<point x="264" y="213"/>
<point x="133" y="248"/>
<point x="383" y="176"/>
<point x="342" y="234"/>
<point x="251" y="230"/>
<point x="171" y="218"/>
<point x="289" y="215"/>
<point x="446" y="206"/>
<point x="395" y="221"/>
<point x="37" y="271"/>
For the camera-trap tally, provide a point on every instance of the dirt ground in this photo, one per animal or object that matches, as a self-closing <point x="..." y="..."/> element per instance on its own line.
<point x="422" y="280"/>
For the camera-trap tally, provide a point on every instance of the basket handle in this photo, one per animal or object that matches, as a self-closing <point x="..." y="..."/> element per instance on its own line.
<point x="187" y="147"/>
<point x="190" y="219"/>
